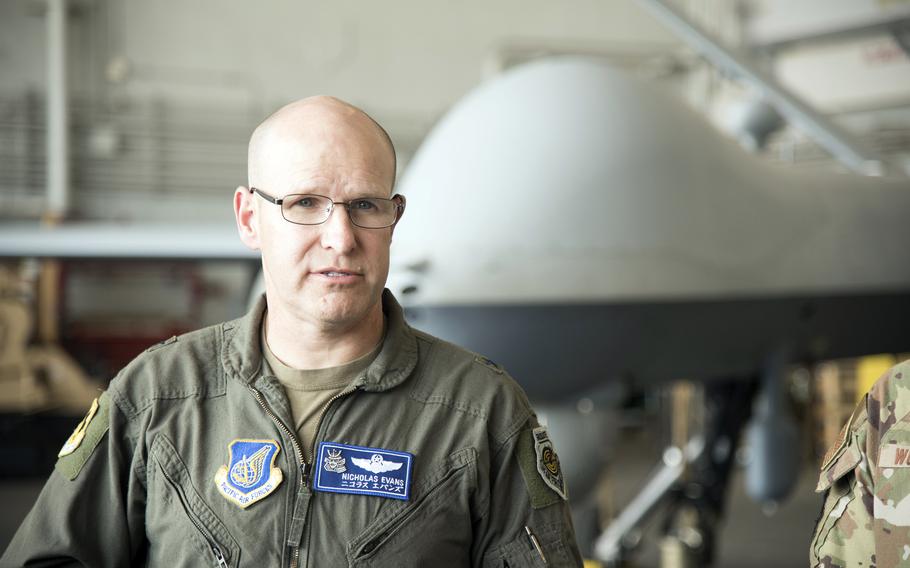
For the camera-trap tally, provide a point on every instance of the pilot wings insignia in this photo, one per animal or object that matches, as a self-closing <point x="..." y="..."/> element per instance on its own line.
<point x="376" y="464"/>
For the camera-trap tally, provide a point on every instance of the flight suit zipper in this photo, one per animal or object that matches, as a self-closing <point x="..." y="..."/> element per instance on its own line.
<point x="322" y="414"/>
<point x="287" y="431"/>
<point x="301" y="461"/>
<point x="304" y="466"/>
<point x="213" y="545"/>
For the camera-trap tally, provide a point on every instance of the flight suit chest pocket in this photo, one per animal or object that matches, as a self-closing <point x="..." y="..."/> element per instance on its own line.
<point x="183" y="530"/>
<point x="431" y="529"/>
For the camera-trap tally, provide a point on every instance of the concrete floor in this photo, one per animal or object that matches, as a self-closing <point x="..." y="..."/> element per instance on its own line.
<point x="750" y="538"/>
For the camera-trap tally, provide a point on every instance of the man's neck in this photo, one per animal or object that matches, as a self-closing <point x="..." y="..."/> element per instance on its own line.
<point x="304" y="345"/>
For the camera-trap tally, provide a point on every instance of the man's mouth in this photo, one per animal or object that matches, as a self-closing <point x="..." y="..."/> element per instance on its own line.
<point x="334" y="272"/>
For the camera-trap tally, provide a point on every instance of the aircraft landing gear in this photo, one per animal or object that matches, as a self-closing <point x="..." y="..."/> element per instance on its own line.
<point x="692" y="481"/>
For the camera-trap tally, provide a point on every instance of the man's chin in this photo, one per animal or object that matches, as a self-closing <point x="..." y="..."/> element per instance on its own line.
<point x="341" y="319"/>
<point x="343" y="311"/>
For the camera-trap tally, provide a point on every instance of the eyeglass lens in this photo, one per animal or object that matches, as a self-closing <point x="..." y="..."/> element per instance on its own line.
<point x="366" y="212"/>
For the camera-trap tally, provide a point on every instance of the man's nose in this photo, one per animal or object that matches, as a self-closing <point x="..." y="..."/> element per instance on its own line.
<point x="338" y="230"/>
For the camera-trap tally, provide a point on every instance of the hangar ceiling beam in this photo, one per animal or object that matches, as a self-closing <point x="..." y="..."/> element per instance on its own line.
<point x="840" y="143"/>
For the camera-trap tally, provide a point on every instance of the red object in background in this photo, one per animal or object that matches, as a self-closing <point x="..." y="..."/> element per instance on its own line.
<point x="108" y="353"/>
<point x="137" y="304"/>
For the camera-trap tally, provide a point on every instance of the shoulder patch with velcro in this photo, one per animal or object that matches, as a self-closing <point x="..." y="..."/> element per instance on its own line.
<point x="841" y="442"/>
<point x="84" y="439"/>
<point x="541" y="494"/>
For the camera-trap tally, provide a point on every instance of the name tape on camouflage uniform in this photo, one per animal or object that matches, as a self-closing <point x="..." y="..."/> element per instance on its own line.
<point x="341" y="468"/>
<point x="548" y="462"/>
<point x="251" y="474"/>
<point x="894" y="455"/>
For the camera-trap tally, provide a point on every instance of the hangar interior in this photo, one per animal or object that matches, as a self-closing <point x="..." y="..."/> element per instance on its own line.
<point x="728" y="253"/>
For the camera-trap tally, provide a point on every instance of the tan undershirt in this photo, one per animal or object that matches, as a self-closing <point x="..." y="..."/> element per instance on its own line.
<point x="309" y="390"/>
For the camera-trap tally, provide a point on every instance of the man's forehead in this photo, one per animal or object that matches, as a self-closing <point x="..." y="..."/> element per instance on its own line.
<point x="313" y="160"/>
<point x="353" y="182"/>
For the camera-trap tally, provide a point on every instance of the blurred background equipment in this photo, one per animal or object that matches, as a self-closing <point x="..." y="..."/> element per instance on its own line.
<point x="678" y="309"/>
<point x="605" y="218"/>
<point x="42" y="389"/>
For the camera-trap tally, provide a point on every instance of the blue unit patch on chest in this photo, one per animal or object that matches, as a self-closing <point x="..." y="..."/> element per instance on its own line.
<point x="250" y="474"/>
<point x="341" y="468"/>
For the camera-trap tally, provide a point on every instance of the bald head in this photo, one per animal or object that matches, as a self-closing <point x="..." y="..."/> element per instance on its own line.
<point x="323" y="128"/>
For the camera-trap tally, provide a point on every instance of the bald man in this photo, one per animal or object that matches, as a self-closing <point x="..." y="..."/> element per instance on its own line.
<point x="319" y="429"/>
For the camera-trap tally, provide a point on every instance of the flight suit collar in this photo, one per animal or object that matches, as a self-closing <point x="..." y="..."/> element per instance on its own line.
<point x="242" y="356"/>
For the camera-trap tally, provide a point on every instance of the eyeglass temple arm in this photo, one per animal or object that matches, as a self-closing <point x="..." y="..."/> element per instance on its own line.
<point x="266" y="196"/>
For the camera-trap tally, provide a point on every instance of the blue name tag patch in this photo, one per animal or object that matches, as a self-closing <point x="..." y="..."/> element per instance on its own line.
<point x="341" y="468"/>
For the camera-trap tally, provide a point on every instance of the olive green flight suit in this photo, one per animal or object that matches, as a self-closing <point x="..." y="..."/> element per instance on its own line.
<point x="139" y="486"/>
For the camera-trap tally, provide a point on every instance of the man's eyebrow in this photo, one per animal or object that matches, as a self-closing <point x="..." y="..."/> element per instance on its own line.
<point x="354" y="193"/>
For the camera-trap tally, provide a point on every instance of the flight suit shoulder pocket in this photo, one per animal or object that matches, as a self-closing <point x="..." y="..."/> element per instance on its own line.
<point x="207" y="531"/>
<point x="417" y="532"/>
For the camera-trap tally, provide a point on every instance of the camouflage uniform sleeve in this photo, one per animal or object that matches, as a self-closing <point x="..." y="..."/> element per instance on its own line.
<point x="888" y="451"/>
<point x="89" y="512"/>
<point x="527" y="522"/>
<point x="865" y="519"/>
<point x="842" y="534"/>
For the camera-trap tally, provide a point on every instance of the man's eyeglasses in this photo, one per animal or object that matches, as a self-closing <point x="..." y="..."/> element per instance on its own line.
<point x="364" y="212"/>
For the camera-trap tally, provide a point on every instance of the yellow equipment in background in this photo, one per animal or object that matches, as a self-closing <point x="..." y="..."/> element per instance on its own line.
<point x="35" y="378"/>
<point x="869" y="369"/>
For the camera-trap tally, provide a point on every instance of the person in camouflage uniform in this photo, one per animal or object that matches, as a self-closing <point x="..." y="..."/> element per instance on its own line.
<point x="865" y="519"/>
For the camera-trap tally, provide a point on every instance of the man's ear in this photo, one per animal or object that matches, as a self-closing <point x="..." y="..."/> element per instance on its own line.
<point x="404" y="203"/>
<point x="246" y="215"/>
